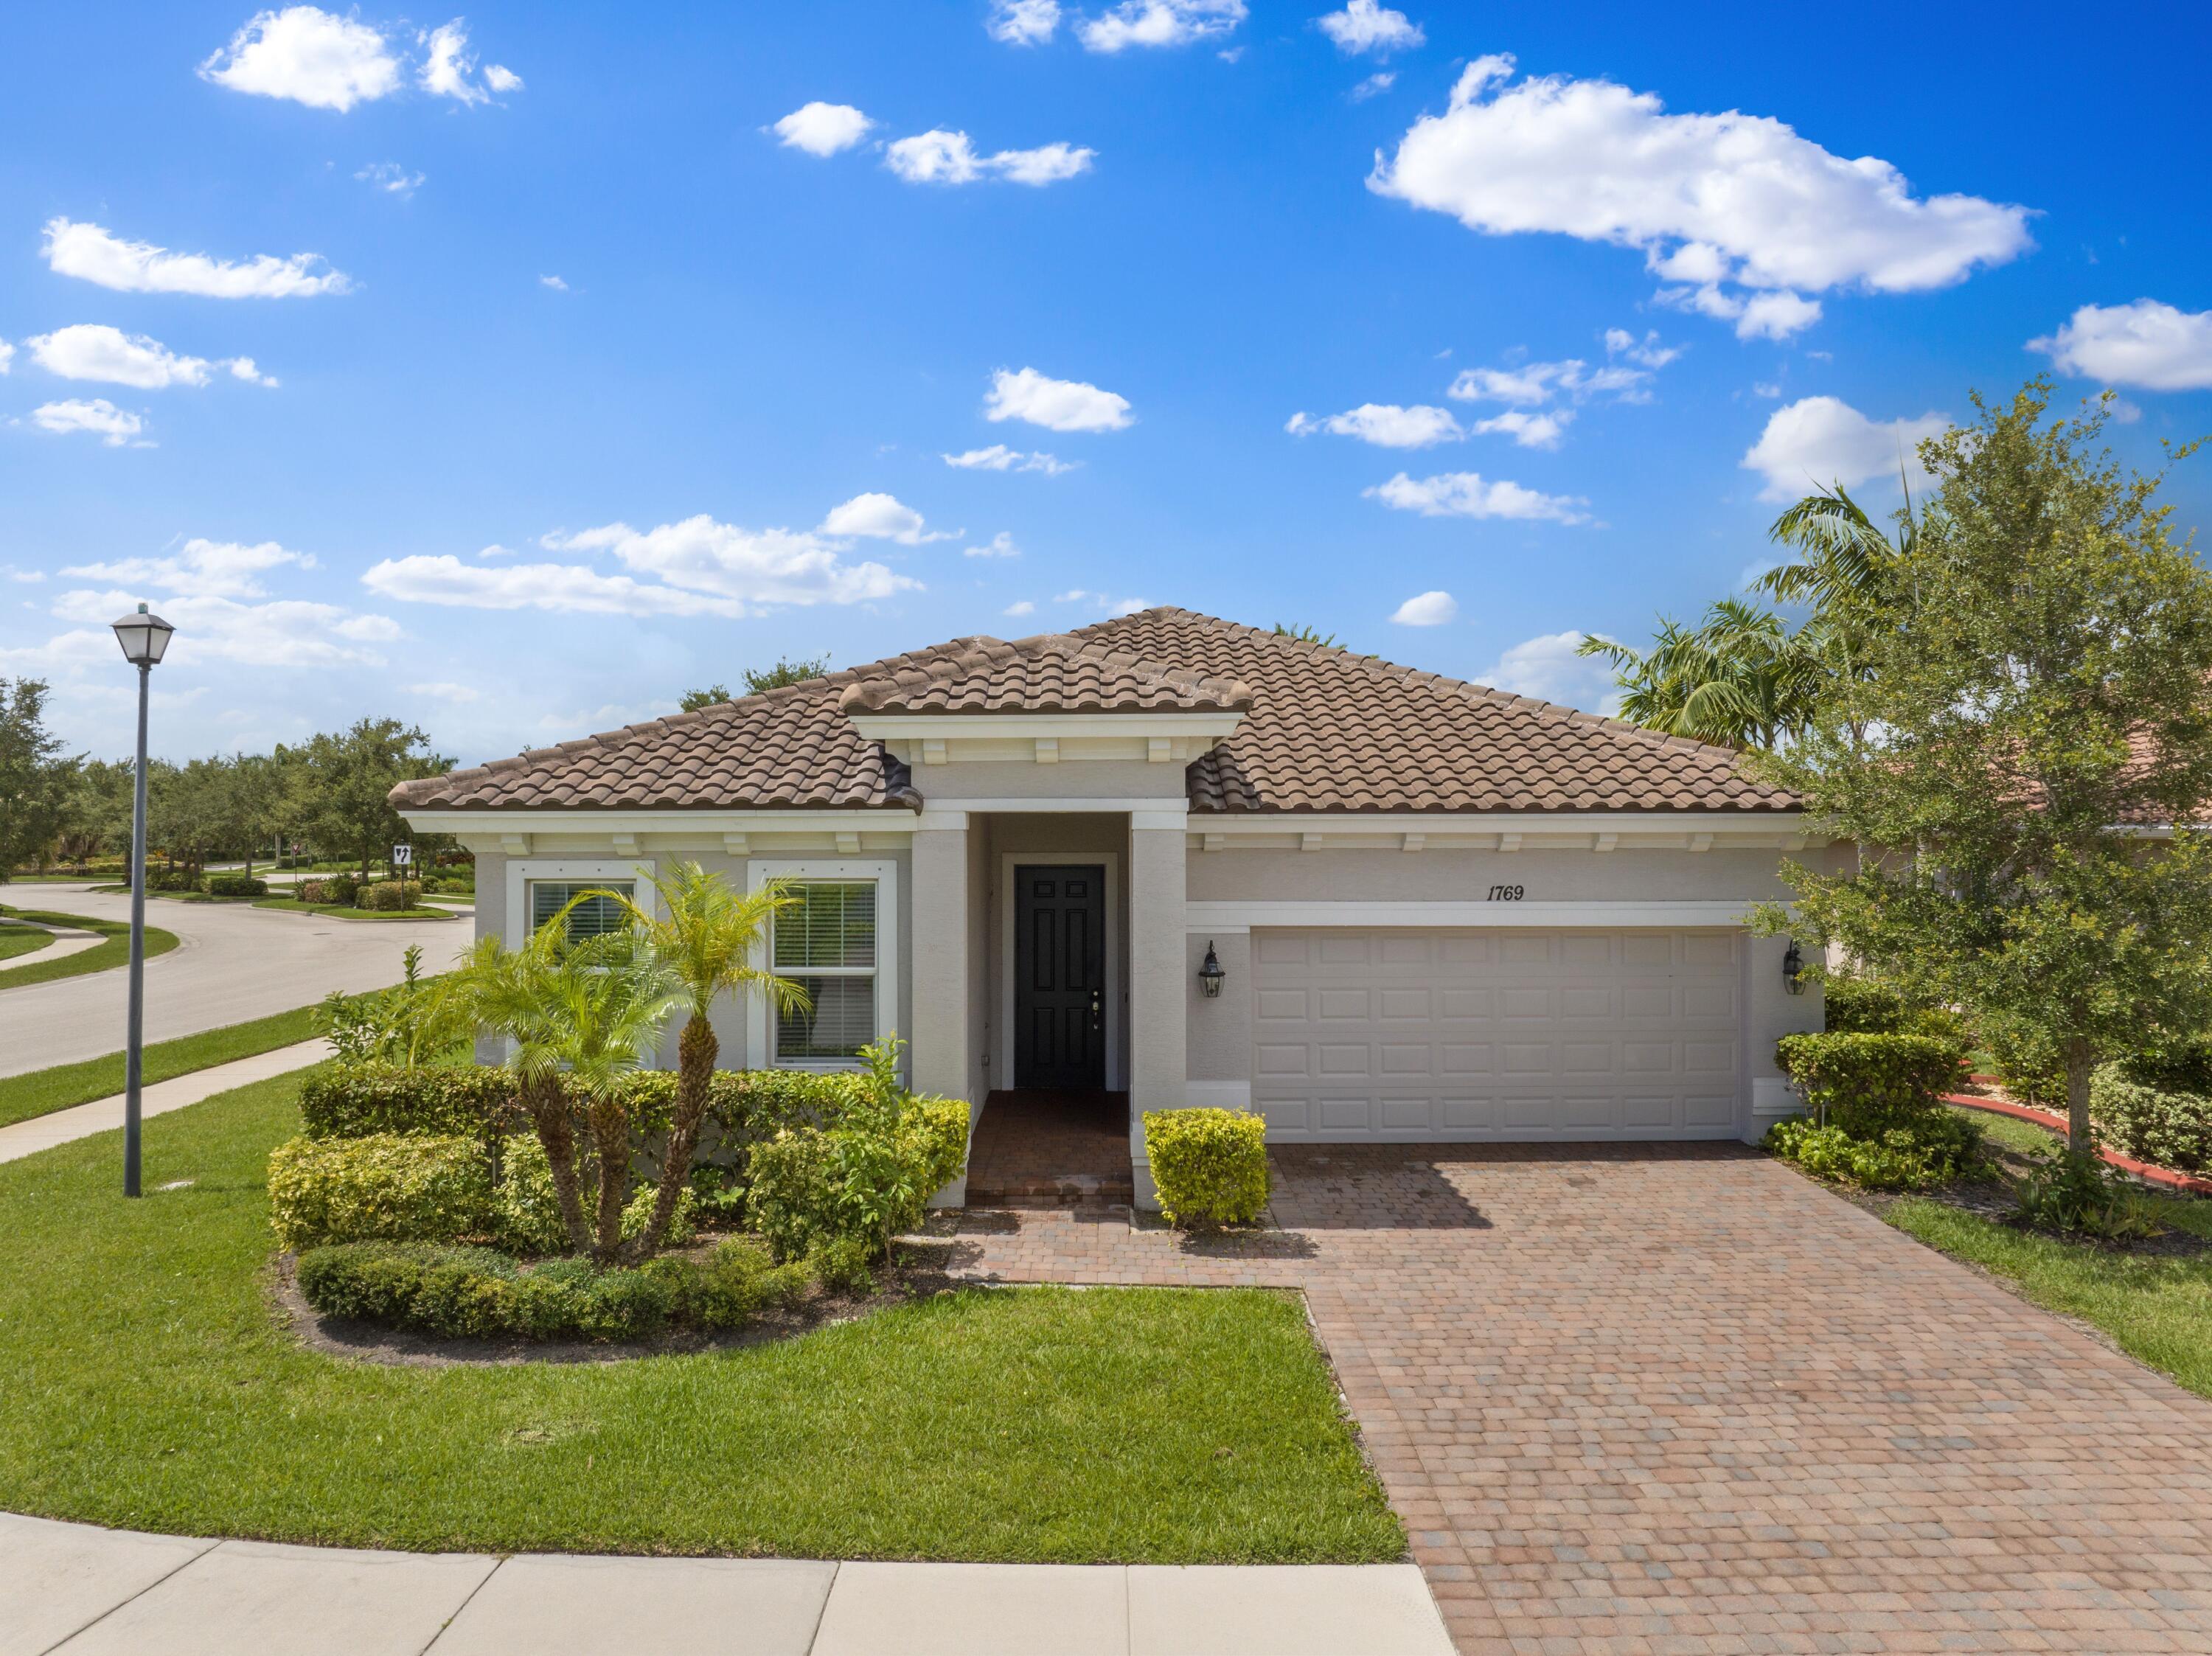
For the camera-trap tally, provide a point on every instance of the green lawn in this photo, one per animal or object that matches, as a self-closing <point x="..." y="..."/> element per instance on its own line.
<point x="2009" y="1132"/>
<point x="293" y="906"/>
<point x="43" y="1091"/>
<point x="2158" y="1310"/>
<point x="20" y="940"/>
<point x="146" y="1387"/>
<point x="115" y="951"/>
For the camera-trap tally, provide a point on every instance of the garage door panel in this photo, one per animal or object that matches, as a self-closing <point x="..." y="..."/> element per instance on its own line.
<point x="1496" y="1034"/>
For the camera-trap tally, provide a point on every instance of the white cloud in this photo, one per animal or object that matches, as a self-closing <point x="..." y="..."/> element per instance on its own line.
<point x="114" y="426"/>
<point x="1000" y="545"/>
<point x="1467" y="495"/>
<point x="1532" y="385"/>
<point x="1024" y="23"/>
<point x="821" y="129"/>
<point x="445" y="692"/>
<point x="554" y="283"/>
<point x="1380" y="80"/>
<point x="1818" y="441"/>
<point x="1055" y="404"/>
<point x="1161" y="23"/>
<point x="763" y="566"/>
<point x="1099" y="601"/>
<point x="1384" y="424"/>
<point x="1766" y="388"/>
<point x="2146" y="343"/>
<point x="1529" y="430"/>
<point x="1365" y="26"/>
<point x="1547" y="668"/>
<point x="941" y="157"/>
<point x="390" y="178"/>
<point x="284" y="633"/>
<point x="29" y="576"/>
<point x="7" y="355"/>
<point x="999" y="457"/>
<point x="89" y="350"/>
<point x="1020" y="607"/>
<point x="563" y="588"/>
<point x="881" y="517"/>
<point x="446" y="67"/>
<point x="308" y="56"/>
<point x="1708" y="199"/>
<point x="223" y="569"/>
<point x="1774" y="315"/>
<point x="1647" y="351"/>
<point x="1427" y="610"/>
<point x="89" y="252"/>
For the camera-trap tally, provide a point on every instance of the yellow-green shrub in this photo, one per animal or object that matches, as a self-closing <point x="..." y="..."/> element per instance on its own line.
<point x="1210" y="1165"/>
<point x="526" y="1212"/>
<point x="386" y="1187"/>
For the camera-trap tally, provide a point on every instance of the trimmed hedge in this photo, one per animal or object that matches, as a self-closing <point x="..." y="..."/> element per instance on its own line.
<point x="475" y="1293"/>
<point x="1210" y="1165"/>
<point x="236" y="885"/>
<point x="381" y="896"/>
<point x="858" y="1183"/>
<point x="527" y="1213"/>
<point x="2168" y="1128"/>
<point x="392" y="1186"/>
<point x="1869" y="1084"/>
<point x="338" y="891"/>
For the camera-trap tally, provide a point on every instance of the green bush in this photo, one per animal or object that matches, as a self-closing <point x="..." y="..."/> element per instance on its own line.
<point x="383" y="896"/>
<point x="172" y="879"/>
<point x="351" y="1100"/>
<point x="337" y="891"/>
<point x="394" y="1186"/>
<point x="236" y="885"/>
<point x="1869" y="1084"/>
<point x="732" y="1285"/>
<point x="1210" y="1165"/>
<point x="1942" y="1148"/>
<point x="526" y="1213"/>
<point x="2028" y="1063"/>
<point x="1854" y="1005"/>
<point x="2168" y="1128"/>
<point x="473" y="1293"/>
<point x="2066" y="1190"/>
<point x="2179" y="1066"/>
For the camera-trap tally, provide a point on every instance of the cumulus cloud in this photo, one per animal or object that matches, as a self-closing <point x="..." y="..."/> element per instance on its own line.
<point x="1646" y="351"/>
<point x="882" y="517"/>
<point x="1384" y="424"/>
<point x="2146" y="343"/>
<point x="1817" y="441"/>
<point x="999" y="457"/>
<point x="390" y="178"/>
<point x="224" y="569"/>
<point x="1547" y="668"/>
<point x="1000" y="545"/>
<point x="822" y="129"/>
<point x="1023" y="23"/>
<point x="92" y="254"/>
<point x="1529" y="430"/>
<point x="764" y="566"/>
<point x="1160" y="23"/>
<point x="1055" y="404"/>
<point x="7" y="355"/>
<point x="562" y="588"/>
<point x="1365" y="26"/>
<point x="941" y="157"/>
<point x="554" y="283"/>
<point x="1427" y="610"/>
<point x="308" y="56"/>
<point x="1020" y="607"/>
<point x="90" y="350"/>
<point x="282" y="633"/>
<point x="447" y="692"/>
<point x="1733" y="200"/>
<point x="1099" y="601"/>
<point x="1468" y="494"/>
<point x="114" y="426"/>
<point x="1532" y="385"/>
<point x="1381" y="80"/>
<point x="447" y="67"/>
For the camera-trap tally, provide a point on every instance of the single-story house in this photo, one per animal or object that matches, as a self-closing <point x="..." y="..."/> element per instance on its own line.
<point x="1439" y="912"/>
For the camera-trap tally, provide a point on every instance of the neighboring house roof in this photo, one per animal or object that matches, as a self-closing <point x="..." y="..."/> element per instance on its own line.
<point x="1053" y="673"/>
<point x="1323" y="731"/>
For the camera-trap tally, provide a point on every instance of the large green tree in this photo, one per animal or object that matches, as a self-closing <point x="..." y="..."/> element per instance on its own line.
<point x="34" y="776"/>
<point x="342" y="783"/>
<point x="2024" y="751"/>
<point x="1741" y="678"/>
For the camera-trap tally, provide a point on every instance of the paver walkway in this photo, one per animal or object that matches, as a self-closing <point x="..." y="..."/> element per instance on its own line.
<point x="1680" y="1400"/>
<point x="83" y="1121"/>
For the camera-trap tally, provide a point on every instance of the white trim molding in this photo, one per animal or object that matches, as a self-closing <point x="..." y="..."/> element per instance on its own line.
<point x="884" y="872"/>
<point x="1231" y="917"/>
<point x="1002" y="1044"/>
<point x="1159" y="739"/>
<point x="702" y="824"/>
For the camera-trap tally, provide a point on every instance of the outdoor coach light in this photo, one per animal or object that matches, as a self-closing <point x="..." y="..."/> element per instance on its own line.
<point x="143" y="638"/>
<point x="1793" y="970"/>
<point x="1210" y="974"/>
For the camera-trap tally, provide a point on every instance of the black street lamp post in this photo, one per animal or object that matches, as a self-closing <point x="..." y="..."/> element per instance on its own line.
<point x="143" y="638"/>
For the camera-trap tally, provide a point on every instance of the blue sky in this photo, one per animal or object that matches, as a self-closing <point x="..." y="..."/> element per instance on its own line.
<point x="615" y="348"/>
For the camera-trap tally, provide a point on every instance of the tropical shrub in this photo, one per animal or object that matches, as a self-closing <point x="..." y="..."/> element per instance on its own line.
<point x="382" y="896"/>
<point x="391" y="1186"/>
<point x="337" y="891"/>
<point x="236" y="885"/>
<point x="2069" y="1190"/>
<point x="1869" y="1084"/>
<point x="526" y="1213"/>
<point x="2027" y="1060"/>
<point x="2179" y="1066"/>
<point x="1210" y="1166"/>
<point x="2166" y="1129"/>
<point x="734" y="1284"/>
<point x="1938" y="1150"/>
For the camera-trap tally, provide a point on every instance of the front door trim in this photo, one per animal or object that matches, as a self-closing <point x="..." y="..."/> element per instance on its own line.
<point x="1002" y="1043"/>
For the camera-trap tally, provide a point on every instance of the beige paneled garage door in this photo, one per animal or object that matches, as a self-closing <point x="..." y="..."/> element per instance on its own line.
<point x="1496" y="1034"/>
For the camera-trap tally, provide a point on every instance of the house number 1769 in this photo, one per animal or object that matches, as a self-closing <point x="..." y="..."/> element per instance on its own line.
<point x="1505" y="894"/>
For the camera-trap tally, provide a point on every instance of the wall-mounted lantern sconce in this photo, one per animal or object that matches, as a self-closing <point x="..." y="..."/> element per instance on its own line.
<point x="1210" y="974"/>
<point x="1793" y="970"/>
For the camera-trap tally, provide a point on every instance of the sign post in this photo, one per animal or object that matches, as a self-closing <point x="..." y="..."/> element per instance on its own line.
<point x="401" y="857"/>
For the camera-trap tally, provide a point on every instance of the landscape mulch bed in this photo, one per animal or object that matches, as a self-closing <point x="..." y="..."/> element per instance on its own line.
<point x="919" y="1273"/>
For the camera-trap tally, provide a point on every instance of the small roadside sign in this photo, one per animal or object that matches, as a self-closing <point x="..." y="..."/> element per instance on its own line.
<point x="402" y="855"/>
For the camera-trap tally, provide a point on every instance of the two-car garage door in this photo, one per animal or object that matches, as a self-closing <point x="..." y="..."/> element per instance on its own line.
<point x="1504" y="1034"/>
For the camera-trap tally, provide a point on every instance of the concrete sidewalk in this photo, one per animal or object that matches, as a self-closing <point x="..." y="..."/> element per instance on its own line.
<point x="82" y="1121"/>
<point x="74" y="1589"/>
<point x="67" y="941"/>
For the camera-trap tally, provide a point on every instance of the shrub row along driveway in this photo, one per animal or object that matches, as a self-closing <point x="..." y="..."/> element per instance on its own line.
<point x="232" y="963"/>
<point x="1642" y="1400"/>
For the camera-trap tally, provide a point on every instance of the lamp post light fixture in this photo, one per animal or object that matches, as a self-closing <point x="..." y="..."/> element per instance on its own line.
<point x="143" y="637"/>
<point x="1210" y="974"/>
<point x="1793" y="969"/>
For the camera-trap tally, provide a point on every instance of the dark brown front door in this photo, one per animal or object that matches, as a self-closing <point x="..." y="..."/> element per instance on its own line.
<point x="1060" y="976"/>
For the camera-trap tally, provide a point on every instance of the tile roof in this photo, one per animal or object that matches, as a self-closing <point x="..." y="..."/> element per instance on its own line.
<point x="1051" y="673"/>
<point x="1326" y="730"/>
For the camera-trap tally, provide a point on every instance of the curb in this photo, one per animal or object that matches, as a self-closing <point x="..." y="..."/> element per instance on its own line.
<point x="2187" y="1182"/>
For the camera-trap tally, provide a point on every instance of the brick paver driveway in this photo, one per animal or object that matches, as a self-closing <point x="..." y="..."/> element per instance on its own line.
<point x="1681" y="1400"/>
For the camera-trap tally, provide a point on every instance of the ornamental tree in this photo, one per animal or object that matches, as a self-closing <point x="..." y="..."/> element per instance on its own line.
<point x="2026" y="756"/>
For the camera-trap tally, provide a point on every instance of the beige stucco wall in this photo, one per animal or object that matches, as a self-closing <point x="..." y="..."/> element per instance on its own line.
<point x="1333" y="875"/>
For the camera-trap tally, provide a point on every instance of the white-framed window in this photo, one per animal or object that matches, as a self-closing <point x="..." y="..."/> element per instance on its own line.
<point x="537" y="886"/>
<point x="594" y="917"/>
<point x="837" y="940"/>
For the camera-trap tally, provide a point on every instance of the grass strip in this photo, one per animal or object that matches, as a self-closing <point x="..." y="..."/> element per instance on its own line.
<point x="2157" y="1308"/>
<point x="149" y="1386"/>
<point x="19" y="940"/>
<point x="293" y="906"/>
<point x="114" y="951"/>
<point x="44" y="1091"/>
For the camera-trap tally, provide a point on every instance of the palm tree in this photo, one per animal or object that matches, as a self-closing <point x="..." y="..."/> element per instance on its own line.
<point x="707" y="939"/>
<point x="1740" y="679"/>
<point x="581" y="1014"/>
